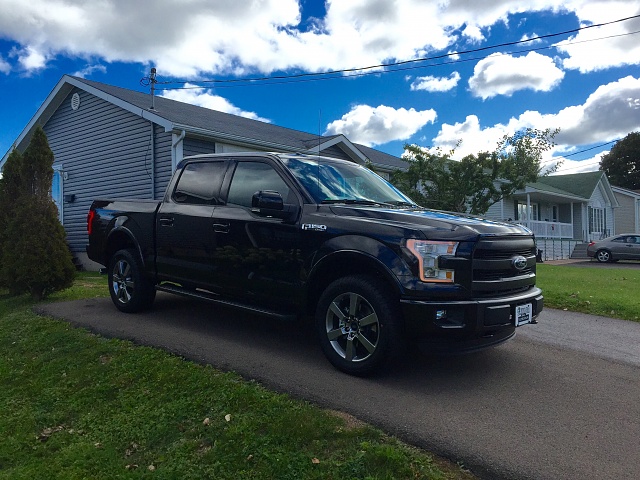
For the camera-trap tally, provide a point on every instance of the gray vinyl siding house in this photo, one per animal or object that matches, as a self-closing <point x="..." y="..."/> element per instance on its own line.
<point x="627" y="219"/>
<point x="108" y="142"/>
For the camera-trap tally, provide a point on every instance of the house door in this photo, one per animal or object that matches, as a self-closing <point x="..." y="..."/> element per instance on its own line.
<point x="57" y="190"/>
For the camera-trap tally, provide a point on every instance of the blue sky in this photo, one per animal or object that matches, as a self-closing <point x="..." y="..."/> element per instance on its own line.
<point x="587" y="83"/>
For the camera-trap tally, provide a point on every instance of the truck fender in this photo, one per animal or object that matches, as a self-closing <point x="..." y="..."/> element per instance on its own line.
<point x="340" y="254"/>
<point x="115" y="237"/>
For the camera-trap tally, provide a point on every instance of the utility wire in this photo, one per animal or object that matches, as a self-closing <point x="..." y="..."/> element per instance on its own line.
<point x="330" y="76"/>
<point x="361" y="70"/>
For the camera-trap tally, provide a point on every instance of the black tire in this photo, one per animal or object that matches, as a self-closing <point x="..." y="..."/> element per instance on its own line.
<point x="130" y="290"/>
<point x="603" y="256"/>
<point x="358" y="324"/>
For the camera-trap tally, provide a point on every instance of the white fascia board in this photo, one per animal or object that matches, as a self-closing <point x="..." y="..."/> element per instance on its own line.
<point x="609" y="191"/>
<point x="34" y="119"/>
<point x="625" y="191"/>
<point x="146" y="114"/>
<point x="530" y="189"/>
<point x="218" y="136"/>
<point x="350" y="148"/>
<point x="64" y="83"/>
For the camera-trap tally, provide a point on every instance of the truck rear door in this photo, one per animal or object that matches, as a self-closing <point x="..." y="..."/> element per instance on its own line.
<point x="185" y="239"/>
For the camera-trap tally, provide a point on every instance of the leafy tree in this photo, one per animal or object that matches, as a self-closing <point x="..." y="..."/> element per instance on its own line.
<point x="34" y="255"/>
<point x="622" y="163"/>
<point x="432" y="179"/>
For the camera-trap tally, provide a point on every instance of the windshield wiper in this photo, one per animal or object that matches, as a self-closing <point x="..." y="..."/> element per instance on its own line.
<point x="353" y="201"/>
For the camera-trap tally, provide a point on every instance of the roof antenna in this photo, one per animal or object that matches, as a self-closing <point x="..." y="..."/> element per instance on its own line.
<point x="153" y="81"/>
<point x="318" y="155"/>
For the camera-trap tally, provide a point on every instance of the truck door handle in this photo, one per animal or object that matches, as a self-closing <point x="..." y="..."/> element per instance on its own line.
<point x="166" y="222"/>
<point x="221" y="227"/>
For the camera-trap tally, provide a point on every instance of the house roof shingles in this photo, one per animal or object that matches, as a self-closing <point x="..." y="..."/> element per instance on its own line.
<point x="214" y="121"/>
<point x="581" y="184"/>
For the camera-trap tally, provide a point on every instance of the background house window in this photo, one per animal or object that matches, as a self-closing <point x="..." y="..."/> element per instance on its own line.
<point x="522" y="212"/>
<point x="597" y="220"/>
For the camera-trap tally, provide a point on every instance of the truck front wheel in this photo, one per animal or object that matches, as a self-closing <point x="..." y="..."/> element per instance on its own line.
<point x="357" y="321"/>
<point x="130" y="290"/>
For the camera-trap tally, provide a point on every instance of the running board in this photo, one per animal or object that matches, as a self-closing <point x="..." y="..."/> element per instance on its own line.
<point x="210" y="297"/>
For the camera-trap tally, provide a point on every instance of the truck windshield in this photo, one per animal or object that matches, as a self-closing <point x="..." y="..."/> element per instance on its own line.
<point x="342" y="182"/>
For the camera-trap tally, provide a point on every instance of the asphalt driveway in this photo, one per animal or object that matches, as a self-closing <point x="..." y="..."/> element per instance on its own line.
<point x="560" y="401"/>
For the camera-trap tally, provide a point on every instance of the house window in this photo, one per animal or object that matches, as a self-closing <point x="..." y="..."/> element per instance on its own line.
<point x="554" y="213"/>
<point x="522" y="211"/>
<point x="597" y="220"/>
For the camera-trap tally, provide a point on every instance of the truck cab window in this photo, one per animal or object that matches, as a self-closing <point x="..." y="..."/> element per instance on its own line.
<point x="251" y="177"/>
<point x="200" y="183"/>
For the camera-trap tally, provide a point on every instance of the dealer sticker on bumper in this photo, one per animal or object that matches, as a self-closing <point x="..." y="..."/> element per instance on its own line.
<point x="524" y="314"/>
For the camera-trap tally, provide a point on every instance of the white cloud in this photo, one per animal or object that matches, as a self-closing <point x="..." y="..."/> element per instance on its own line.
<point x="436" y="84"/>
<point x="526" y="37"/>
<point x="187" y="39"/>
<point x="621" y="49"/>
<point x="609" y="113"/>
<point x="31" y="59"/>
<point x="90" y="70"/>
<point x="204" y="98"/>
<point x="5" y="67"/>
<point x="375" y="126"/>
<point x="500" y="74"/>
<point x="569" y="166"/>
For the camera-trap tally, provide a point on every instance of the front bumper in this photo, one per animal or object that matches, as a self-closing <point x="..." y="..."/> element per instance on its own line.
<point x="469" y="325"/>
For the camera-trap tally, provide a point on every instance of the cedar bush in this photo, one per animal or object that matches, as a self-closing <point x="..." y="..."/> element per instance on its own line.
<point x="34" y="257"/>
<point x="9" y="190"/>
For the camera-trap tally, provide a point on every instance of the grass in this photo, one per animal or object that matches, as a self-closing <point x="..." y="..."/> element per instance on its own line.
<point x="76" y="405"/>
<point x="611" y="292"/>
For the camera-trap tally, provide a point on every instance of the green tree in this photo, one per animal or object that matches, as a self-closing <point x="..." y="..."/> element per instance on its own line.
<point x="34" y="256"/>
<point x="622" y="163"/>
<point x="474" y="183"/>
<point x="9" y="190"/>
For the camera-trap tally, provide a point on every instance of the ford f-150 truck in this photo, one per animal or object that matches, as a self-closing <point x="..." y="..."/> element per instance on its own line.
<point x="296" y="236"/>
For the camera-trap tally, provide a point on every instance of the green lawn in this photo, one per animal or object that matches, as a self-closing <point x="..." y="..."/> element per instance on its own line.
<point x="76" y="405"/>
<point x="607" y="291"/>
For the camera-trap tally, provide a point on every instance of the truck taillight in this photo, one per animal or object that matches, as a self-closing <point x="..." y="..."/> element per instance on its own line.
<point x="591" y="243"/>
<point x="90" y="217"/>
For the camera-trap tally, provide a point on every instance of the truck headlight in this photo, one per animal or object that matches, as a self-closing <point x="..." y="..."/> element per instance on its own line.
<point x="428" y="253"/>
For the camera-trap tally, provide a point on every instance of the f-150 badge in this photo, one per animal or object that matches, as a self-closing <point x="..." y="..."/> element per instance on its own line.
<point x="314" y="227"/>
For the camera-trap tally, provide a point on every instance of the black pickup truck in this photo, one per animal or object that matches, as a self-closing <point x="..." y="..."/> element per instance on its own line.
<point x="295" y="237"/>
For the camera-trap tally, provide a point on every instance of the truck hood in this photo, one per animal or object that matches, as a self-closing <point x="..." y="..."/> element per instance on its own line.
<point x="433" y="223"/>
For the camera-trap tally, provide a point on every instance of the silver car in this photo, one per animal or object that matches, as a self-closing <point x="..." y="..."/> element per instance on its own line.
<point x="619" y="247"/>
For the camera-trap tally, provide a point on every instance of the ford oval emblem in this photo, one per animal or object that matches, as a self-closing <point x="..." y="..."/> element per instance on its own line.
<point x="519" y="263"/>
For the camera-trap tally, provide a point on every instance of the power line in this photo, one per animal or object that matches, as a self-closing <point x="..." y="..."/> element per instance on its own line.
<point x="363" y="70"/>
<point x="592" y="148"/>
<point x="585" y="164"/>
<point x="328" y="76"/>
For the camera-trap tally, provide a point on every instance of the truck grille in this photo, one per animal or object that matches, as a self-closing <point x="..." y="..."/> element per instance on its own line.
<point x="493" y="268"/>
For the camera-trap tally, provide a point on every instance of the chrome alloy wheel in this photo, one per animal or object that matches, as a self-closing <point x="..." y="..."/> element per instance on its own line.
<point x="352" y="327"/>
<point x="122" y="281"/>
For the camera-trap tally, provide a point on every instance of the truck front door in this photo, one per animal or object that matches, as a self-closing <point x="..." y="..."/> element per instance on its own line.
<point x="259" y="257"/>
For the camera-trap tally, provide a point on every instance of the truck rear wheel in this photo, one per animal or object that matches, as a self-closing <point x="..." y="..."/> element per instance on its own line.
<point x="357" y="321"/>
<point x="130" y="290"/>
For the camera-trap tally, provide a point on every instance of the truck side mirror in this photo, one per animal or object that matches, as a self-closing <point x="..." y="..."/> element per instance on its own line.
<point x="267" y="200"/>
<point x="269" y="203"/>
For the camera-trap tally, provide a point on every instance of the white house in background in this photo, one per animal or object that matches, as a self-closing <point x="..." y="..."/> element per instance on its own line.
<point x="627" y="217"/>
<point x="563" y="211"/>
